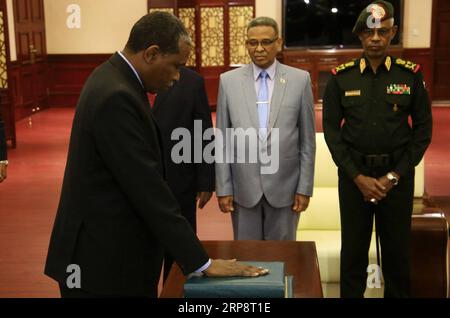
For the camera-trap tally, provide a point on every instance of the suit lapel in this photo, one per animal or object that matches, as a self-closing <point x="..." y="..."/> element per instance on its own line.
<point x="279" y="90"/>
<point x="154" y="127"/>
<point x="248" y="85"/>
<point x="124" y="68"/>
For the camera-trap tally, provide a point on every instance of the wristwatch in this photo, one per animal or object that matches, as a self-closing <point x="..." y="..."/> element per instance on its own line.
<point x="393" y="179"/>
<point x="4" y="162"/>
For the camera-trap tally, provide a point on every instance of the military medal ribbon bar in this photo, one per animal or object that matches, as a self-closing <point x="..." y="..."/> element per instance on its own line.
<point x="398" y="89"/>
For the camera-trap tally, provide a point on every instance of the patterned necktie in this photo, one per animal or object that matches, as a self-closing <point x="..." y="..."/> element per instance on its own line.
<point x="263" y="104"/>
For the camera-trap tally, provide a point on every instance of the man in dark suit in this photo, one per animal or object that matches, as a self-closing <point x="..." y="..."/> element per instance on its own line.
<point x="185" y="105"/>
<point x="116" y="214"/>
<point x="3" y="155"/>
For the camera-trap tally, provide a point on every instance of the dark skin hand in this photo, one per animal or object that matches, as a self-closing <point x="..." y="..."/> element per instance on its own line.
<point x="230" y="268"/>
<point x="226" y="204"/>
<point x="301" y="203"/>
<point x="203" y="198"/>
<point x="372" y="188"/>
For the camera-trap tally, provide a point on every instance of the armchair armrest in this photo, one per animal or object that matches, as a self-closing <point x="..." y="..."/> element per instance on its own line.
<point x="429" y="254"/>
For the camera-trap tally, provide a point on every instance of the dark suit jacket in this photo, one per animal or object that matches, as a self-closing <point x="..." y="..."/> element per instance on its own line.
<point x="3" y="155"/>
<point x="116" y="213"/>
<point x="178" y="107"/>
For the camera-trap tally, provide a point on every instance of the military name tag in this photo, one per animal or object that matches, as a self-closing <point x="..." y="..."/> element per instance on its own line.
<point x="352" y="93"/>
<point x="398" y="89"/>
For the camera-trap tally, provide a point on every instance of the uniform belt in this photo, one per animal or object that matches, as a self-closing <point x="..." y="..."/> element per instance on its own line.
<point x="377" y="160"/>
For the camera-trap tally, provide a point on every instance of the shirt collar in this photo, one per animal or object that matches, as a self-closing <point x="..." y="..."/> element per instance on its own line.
<point x="132" y="67"/>
<point x="271" y="70"/>
<point x="364" y="64"/>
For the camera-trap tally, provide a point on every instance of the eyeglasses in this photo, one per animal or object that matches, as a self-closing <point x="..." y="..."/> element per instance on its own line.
<point x="383" y="32"/>
<point x="253" y="44"/>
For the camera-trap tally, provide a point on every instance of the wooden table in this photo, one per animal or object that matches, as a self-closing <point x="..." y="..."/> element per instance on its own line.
<point x="300" y="260"/>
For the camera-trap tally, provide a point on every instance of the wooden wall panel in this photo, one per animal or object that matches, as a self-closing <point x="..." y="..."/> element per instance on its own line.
<point x="30" y="70"/>
<point x="40" y="85"/>
<point x="22" y="12"/>
<point x="24" y="46"/>
<point x="440" y="48"/>
<point x="67" y="75"/>
<point x="15" y="92"/>
<point x="6" y="103"/>
<point x="38" y="41"/>
<point x="37" y="13"/>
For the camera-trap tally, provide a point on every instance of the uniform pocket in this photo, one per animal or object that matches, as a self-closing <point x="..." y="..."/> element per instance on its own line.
<point x="352" y="101"/>
<point x="402" y="101"/>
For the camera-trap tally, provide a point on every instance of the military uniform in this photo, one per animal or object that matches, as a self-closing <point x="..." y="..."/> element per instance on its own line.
<point x="365" y="121"/>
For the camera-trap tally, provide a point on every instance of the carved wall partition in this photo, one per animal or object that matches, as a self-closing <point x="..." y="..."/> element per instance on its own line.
<point x="218" y="30"/>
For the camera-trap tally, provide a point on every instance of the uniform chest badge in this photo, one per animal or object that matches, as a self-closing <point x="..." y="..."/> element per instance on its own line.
<point x="353" y="93"/>
<point x="398" y="89"/>
<point x="395" y="108"/>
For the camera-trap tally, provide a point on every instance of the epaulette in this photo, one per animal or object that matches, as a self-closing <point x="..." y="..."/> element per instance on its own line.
<point x="410" y="66"/>
<point x="343" y="67"/>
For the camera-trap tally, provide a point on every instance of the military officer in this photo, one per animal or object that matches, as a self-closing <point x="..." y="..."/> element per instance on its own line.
<point x="366" y="108"/>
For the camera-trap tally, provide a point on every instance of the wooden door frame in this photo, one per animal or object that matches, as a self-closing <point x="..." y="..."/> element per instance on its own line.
<point x="30" y="104"/>
<point x="432" y="44"/>
<point x="9" y="104"/>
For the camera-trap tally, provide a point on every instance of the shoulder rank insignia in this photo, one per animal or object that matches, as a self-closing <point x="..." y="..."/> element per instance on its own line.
<point x="343" y="67"/>
<point x="362" y="65"/>
<point x="413" y="67"/>
<point x="388" y="63"/>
